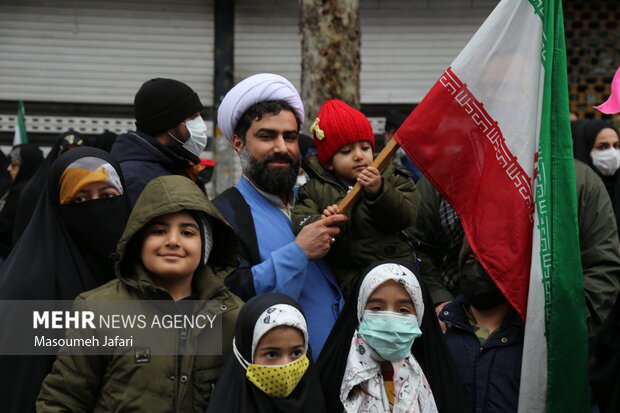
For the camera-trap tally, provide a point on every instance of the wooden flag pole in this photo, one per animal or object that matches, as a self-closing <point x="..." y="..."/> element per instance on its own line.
<point x="380" y="162"/>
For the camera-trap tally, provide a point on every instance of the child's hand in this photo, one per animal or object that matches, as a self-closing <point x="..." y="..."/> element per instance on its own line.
<point x="331" y="210"/>
<point x="370" y="179"/>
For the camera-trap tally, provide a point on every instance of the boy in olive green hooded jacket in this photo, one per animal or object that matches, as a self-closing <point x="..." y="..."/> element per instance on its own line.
<point x="176" y="246"/>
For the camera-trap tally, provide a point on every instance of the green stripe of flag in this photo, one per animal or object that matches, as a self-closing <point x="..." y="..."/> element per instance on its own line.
<point x="566" y="331"/>
<point x="20" y="125"/>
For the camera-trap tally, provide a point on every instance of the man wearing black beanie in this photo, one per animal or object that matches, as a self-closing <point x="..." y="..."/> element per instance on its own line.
<point x="170" y="135"/>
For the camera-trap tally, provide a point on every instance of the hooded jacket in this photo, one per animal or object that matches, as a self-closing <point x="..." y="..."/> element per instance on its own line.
<point x="375" y="230"/>
<point x="175" y="383"/>
<point x="142" y="159"/>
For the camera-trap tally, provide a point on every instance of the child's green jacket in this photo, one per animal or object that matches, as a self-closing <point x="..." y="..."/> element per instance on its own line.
<point x="164" y="383"/>
<point x="375" y="229"/>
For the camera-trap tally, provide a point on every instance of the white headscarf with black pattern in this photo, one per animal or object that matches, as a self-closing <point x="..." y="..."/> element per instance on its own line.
<point x="279" y="315"/>
<point x="363" y="388"/>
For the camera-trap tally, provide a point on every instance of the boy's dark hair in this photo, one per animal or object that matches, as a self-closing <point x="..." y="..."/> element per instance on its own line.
<point x="393" y="120"/>
<point x="256" y="112"/>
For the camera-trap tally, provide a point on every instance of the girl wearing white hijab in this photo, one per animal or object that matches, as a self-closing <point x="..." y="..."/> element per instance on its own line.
<point x="386" y="352"/>
<point x="381" y="374"/>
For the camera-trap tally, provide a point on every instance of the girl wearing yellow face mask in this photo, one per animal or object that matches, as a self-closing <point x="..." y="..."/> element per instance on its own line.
<point x="271" y="369"/>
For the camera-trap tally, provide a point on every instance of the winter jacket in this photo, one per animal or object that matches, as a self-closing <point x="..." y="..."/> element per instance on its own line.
<point x="168" y="383"/>
<point x="375" y="227"/>
<point x="598" y="241"/>
<point x="491" y="372"/>
<point x="433" y="241"/>
<point x="142" y="159"/>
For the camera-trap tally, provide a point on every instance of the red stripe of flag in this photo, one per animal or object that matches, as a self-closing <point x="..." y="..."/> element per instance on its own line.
<point x="462" y="151"/>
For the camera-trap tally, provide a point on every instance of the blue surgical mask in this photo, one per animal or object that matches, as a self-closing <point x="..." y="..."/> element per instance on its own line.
<point x="389" y="334"/>
<point x="197" y="141"/>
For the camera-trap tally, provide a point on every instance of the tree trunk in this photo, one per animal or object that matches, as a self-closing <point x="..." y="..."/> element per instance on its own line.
<point x="330" y="54"/>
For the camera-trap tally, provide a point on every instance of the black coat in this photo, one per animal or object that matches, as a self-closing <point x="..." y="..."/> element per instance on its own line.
<point x="491" y="373"/>
<point x="30" y="158"/>
<point x="237" y="212"/>
<point x="143" y="158"/>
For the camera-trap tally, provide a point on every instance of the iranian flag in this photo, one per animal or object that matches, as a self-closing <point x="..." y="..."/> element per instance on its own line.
<point x="493" y="136"/>
<point x="20" y="125"/>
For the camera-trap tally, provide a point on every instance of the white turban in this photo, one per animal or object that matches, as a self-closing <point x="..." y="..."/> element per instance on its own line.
<point x="254" y="89"/>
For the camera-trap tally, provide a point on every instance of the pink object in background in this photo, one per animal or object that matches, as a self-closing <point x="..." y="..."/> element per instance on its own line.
<point x="612" y="105"/>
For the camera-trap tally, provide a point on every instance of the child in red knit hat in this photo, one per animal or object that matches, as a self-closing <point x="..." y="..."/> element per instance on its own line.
<point x="345" y="141"/>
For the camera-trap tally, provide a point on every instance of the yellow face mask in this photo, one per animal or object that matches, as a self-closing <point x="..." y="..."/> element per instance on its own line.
<point x="277" y="381"/>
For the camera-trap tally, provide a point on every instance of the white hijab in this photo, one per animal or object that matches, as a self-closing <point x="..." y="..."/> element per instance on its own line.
<point x="275" y="316"/>
<point x="363" y="388"/>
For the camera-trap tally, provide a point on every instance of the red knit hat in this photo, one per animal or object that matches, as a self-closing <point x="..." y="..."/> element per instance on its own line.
<point x="338" y="124"/>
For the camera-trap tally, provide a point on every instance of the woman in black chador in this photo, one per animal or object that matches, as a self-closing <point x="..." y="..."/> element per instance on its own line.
<point x="65" y="250"/>
<point x="24" y="160"/>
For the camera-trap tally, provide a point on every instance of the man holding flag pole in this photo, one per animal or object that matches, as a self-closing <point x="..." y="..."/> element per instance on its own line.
<point x="493" y="136"/>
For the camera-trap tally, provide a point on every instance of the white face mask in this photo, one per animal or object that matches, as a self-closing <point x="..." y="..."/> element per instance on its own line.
<point x="197" y="141"/>
<point x="301" y="180"/>
<point x="607" y="161"/>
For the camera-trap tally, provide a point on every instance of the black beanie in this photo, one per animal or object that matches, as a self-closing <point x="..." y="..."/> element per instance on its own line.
<point x="161" y="104"/>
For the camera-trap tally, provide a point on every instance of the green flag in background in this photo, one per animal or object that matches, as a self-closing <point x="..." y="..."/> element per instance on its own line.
<point x="20" y="125"/>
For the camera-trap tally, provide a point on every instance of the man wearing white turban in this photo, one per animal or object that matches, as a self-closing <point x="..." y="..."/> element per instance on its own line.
<point x="261" y="117"/>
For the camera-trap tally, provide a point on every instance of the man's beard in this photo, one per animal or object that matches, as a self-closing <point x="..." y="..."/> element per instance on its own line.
<point x="275" y="180"/>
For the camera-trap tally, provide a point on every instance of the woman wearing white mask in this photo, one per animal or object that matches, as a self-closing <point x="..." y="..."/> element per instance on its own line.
<point x="597" y="144"/>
